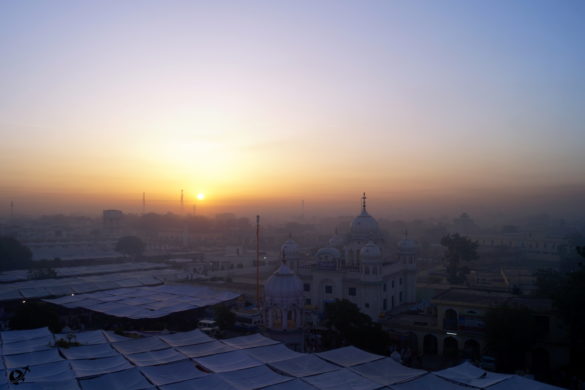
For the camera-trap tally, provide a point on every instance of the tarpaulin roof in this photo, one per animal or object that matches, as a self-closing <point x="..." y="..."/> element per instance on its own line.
<point x="32" y="358"/>
<point x="251" y="341"/>
<point x="130" y="379"/>
<point x="429" y="382"/>
<point x="84" y="338"/>
<point x="233" y="364"/>
<point x="207" y="382"/>
<point x="387" y="371"/>
<point x="205" y="349"/>
<point x="89" y="352"/>
<point x="349" y="356"/>
<point x="467" y="374"/>
<point x="253" y="378"/>
<point x="186" y="338"/>
<point x="153" y="358"/>
<point x="145" y="344"/>
<point x="32" y="345"/>
<point x="228" y="361"/>
<point x="295" y="384"/>
<point x="144" y="302"/>
<point x="272" y="353"/>
<point x="13" y="336"/>
<point x="93" y="367"/>
<point x="304" y="366"/>
<point x="50" y="372"/>
<point x="342" y="379"/>
<point x="173" y="372"/>
<point x="518" y="382"/>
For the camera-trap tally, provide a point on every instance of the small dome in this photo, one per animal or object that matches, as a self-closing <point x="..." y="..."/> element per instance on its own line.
<point x="283" y="286"/>
<point x="290" y="249"/>
<point x="328" y="253"/>
<point x="337" y="240"/>
<point x="370" y="252"/>
<point x="407" y="245"/>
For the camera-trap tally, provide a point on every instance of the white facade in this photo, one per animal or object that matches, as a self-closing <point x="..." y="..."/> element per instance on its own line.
<point x="360" y="268"/>
<point x="283" y="295"/>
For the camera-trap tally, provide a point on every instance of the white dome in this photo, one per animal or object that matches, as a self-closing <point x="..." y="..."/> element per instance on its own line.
<point x="324" y="253"/>
<point x="336" y="240"/>
<point x="283" y="287"/>
<point x="370" y="252"/>
<point x="290" y="249"/>
<point x="364" y="225"/>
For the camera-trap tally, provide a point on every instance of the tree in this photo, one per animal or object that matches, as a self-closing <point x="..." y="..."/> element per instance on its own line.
<point x="510" y="334"/>
<point x="14" y="255"/>
<point x="130" y="246"/>
<point x="458" y="249"/>
<point x="224" y="317"/>
<point x="351" y="326"/>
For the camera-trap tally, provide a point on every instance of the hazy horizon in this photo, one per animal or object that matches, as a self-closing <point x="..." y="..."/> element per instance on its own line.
<point x="430" y="108"/>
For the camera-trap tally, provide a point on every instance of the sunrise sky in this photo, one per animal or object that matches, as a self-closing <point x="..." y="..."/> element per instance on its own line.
<point x="255" y="103"/>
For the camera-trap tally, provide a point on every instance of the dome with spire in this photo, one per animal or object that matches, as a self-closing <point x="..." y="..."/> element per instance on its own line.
<point x="283" y="287"/>
<point x="290" y="249"/>
<point x="364" y="224"/>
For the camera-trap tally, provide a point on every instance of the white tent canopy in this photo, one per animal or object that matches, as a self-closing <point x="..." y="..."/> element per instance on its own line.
<point x="208" y="382"/>
<point x="93" y="367"/>
<point x="251" y="341"/>
<point x="387" y="371"/>
<point x="273" y="353"/>
<point x="172" y="372"/>
<point x="130" y="379"/>
<point x="429" y="382"/>
<point x="146" y="344"/>
<point x="253" y="378"/>
<point x="154" y="358"/>
<point x="518" y="382"/>
<point x="50" y="372"/>
<point x="89" y="352"/>
<point x="342" y="379"/>
<point x="304" y="366"/>
<point x="253" y="362"/>
<point x="205" y="349"/>
<point x="295" y="384"/>
<point x="186" y="338"/>
<point x="85" y="338"/>
<point x="228" y="361"/>
<point x="32" y="358"/>
<point x="12" y="336"/>
<point x="349" y="356"/>
<point x="467" y="374"/>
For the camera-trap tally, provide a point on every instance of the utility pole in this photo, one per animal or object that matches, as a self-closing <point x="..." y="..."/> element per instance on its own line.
<point x="258" y="262"/>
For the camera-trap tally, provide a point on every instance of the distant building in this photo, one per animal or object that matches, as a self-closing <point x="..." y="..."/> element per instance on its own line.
<point x="358" y="267"/>
<point x="112" y="220"/>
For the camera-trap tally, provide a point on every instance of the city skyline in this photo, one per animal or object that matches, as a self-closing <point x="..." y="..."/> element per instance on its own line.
<point x="428" y="107"/>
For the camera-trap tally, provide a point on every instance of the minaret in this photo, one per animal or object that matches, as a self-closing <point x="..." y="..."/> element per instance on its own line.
<point x="364" y="203"/>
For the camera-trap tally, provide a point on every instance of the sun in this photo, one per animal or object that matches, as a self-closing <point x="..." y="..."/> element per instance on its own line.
<point x="200" y="196"/>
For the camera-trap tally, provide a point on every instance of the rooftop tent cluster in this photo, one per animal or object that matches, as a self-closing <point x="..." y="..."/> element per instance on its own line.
<point x="193" y="360"/>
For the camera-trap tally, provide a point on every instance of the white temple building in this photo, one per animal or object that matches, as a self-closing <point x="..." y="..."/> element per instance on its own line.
<point x="359" y="267"/>
<point x="283" y="300"/>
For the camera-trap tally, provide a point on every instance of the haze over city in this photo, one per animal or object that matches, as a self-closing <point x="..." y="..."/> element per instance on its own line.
<point x="431" y="107"/>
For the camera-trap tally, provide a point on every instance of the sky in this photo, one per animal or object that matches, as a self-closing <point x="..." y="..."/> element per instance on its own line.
<point x="428" y="106"/>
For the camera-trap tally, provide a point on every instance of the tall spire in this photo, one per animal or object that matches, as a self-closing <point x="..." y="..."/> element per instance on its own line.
<point x="364" y="202"/>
